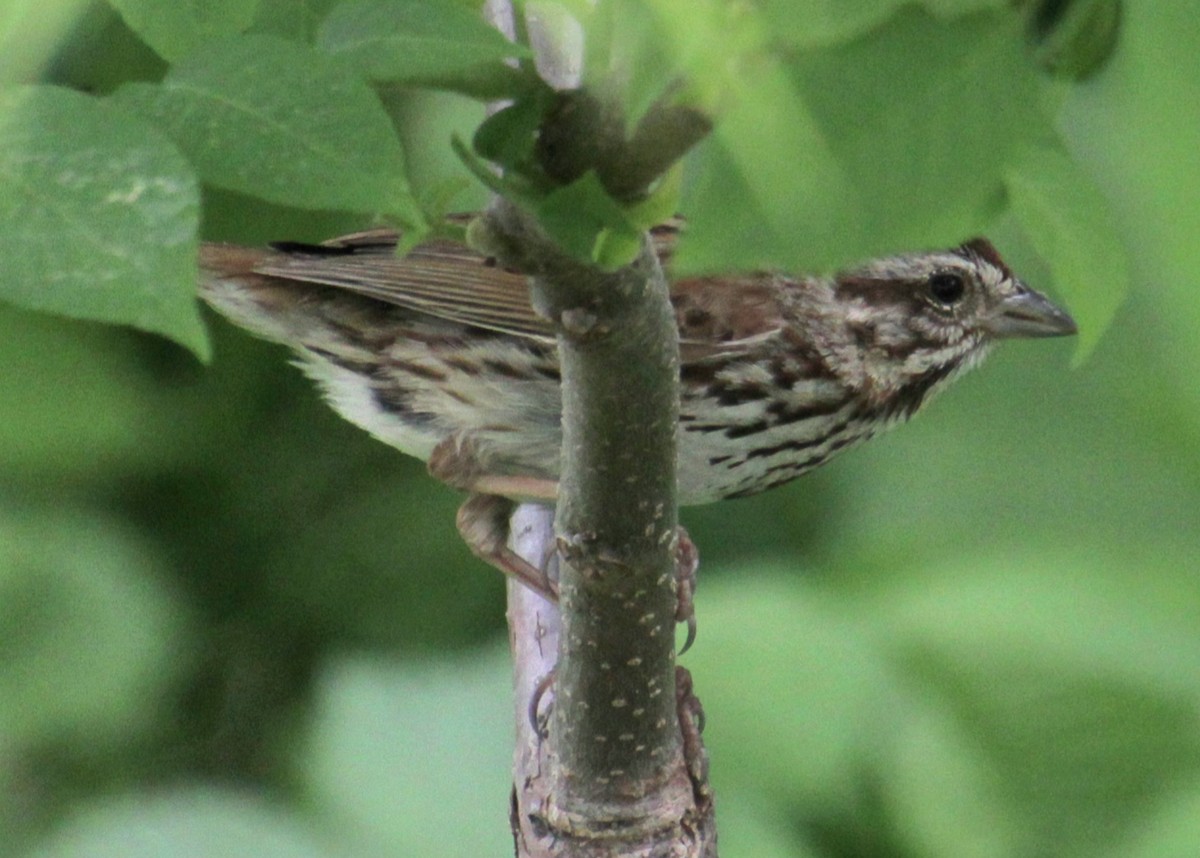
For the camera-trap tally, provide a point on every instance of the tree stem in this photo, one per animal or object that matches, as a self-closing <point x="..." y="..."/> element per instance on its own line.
<point x="609" y="776"/>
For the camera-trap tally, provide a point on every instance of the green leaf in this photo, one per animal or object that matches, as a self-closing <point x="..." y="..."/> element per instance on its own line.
<point x="791" y="696"/>
<point x="296" y="20"/>
<point x="898" y="140"/>
<point x="1075" y="683"/>
<point x="756" y="204"/>
<point x="416" y="41"/>
<point x="924" y="117"/>
<point x="811" y="23"/>
<point x="98" y="216"/>
<point x="1134" y="127"/>
<point x="279" y="121"/>
<point x="196" y="822"/>
<point x="507" y="136"/>
<point x="588" y="224"/>
<point x="176" y="29"/>
<point x="407" y="753"/>
<point x="1078" y="40"/>
<point x="87" y="633"/>
<point x="1069" y="222"/>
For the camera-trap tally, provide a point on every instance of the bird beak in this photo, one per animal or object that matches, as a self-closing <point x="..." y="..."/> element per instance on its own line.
<point x="1029" y="314"/>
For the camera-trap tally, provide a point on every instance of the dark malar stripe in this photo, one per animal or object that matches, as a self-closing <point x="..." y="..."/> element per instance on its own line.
<point x="909" y="398"/>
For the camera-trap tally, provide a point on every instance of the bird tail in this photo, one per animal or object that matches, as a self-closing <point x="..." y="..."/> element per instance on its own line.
<point x="230" y="284"/>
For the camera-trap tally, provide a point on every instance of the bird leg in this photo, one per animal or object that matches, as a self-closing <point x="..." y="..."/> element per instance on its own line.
<point x="456" y="462"/>
<point x="483" y="518"/>
<point x="483" y="524"/>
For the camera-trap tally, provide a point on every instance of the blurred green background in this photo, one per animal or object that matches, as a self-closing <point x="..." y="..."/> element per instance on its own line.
<point x="231" y="624"/>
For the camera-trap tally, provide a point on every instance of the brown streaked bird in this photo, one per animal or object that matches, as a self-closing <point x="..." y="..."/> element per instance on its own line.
<point x="440" y="351"/>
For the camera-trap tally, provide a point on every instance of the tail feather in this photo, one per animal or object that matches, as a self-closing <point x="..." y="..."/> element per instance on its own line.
<point x="230" y="285"/>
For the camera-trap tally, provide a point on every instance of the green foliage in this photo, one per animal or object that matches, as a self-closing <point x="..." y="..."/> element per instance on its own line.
<point x="186" y="823"/>
<point x="897" y="126"/>
<point x="419" y="772"/>
<point x="179" y="29"/>
<point x="1069" y="223"/>
<point x="905" y="153"/>
<point x="98" y="215"/>
<point x="415" y="41"/>
<point x="87" y="628"/>
<point x="282" y="122"/>
<point x="975" y="638"/>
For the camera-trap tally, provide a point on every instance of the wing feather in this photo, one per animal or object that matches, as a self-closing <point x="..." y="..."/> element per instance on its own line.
<point x="441" y="278"/>
<point x="451" y="281"/>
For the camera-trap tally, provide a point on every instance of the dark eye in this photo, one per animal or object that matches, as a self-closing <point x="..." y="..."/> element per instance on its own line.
<point x="947" y="288"/>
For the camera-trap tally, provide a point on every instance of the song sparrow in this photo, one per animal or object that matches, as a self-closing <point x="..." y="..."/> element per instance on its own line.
<point x="440" y="351"/>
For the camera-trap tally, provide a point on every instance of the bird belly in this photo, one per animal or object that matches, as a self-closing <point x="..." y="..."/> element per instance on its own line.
<point x="498" y="396"/>
<point x="507" y="402"/>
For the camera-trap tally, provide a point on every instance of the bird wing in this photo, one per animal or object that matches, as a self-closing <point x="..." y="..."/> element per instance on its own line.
<point x="451" y="281"/>
<point x="441" y="278"/>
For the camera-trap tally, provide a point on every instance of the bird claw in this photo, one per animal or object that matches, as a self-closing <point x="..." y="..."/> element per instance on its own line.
<point x="691" y="726"/>
<point x="687" y="561"/>
<point x="483" y="524"/>
<point x="535" y="702"/>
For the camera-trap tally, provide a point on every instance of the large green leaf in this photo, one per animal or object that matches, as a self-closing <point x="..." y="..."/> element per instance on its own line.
<point x="407" y="753"/>
<point x="282" y="122"/>
<point x="416" y="41"/>
<point x="770" y="192"/>
<point x="1071" y="225"/>
<point x="808" y="23"/>
<point x="88" y="636"/>
<point x="297" y="20"/>
<point x="176" y="29"/>
<point x="1135" y="127"/>
<point x="189" y="822"/>
<point x="896" y="140"/>
<point x="98" y="215"/>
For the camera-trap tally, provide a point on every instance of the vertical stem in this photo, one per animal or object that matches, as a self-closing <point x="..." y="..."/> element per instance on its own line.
<point x="610" y="777"/>
<point x="615" y="723"/>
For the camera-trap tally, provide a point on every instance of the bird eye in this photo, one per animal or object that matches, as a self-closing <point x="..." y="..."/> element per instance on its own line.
<point x="947" y="288"/>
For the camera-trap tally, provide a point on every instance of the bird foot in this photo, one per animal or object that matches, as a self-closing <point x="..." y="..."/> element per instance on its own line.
<point x="687" y="561"/>
<point x="691" y="726"/>
<point x="483" y="524"/>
